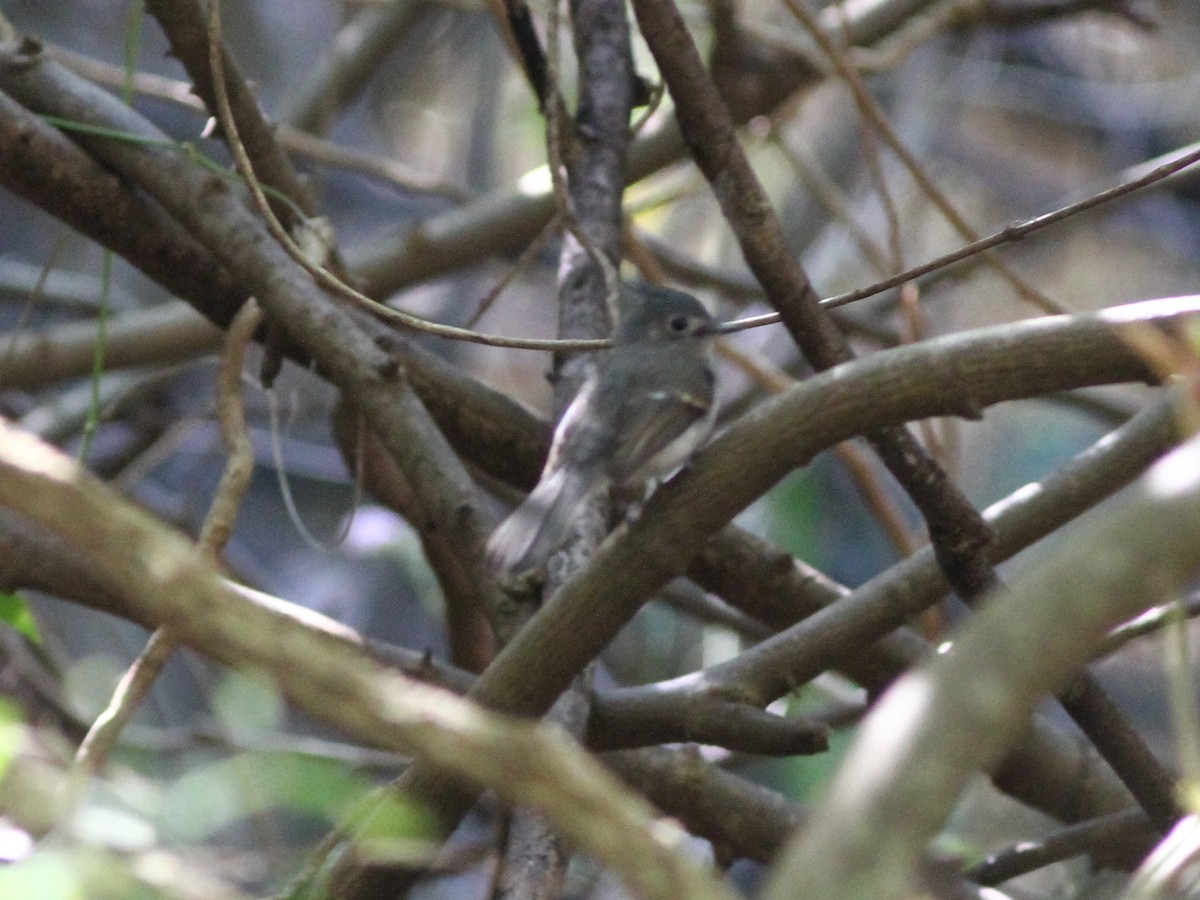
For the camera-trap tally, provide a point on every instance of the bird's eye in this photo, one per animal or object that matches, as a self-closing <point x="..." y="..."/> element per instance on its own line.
<point x="678" y="324"/>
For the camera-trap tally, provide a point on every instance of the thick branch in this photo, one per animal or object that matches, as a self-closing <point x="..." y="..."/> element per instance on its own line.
<point x="185" y="24"/>
<point x="957" y="714"/>
<point x="507" y="219"/>
<point x="159" y="572"/>
<point x="958" y="534"/>
<point x="40" y="164"/>
<point x="373" y="381"/>
<point x="933" y="378"/>
<point x="839" y="628"/>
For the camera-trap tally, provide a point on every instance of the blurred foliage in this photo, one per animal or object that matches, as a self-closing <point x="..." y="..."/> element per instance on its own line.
<point x="15" y="613"/>
<point x="1010" y="122"/>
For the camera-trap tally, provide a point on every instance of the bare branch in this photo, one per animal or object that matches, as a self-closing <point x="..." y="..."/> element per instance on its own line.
<point x="158" y="571"/>
<point x="958" y="713"/>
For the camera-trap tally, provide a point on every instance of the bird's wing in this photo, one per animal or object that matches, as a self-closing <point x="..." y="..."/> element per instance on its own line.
<point x="652" y="421"/>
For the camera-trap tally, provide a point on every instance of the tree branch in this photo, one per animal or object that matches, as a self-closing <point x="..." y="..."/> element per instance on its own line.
<point x="158" y="572"/>
<point x="959" y="712"/>
<point x="933" y="378"/>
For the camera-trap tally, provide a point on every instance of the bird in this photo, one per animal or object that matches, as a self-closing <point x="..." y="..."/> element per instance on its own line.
<point x="646" y="407"/>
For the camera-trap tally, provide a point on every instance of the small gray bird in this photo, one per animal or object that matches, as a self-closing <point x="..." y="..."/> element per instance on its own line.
<point x="641" y="413"/>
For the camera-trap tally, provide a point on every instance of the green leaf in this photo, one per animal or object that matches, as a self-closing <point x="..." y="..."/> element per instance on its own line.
<point x="15" y="611"/>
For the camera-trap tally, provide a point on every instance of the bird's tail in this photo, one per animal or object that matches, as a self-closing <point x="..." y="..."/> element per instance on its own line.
<point x="542" y="524"/>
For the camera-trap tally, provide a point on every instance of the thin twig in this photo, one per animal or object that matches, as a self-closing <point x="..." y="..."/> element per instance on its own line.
<point x="1175" y="163"/>
<point x="323" y="276"/>
<point x="157" y="571"/>
<point x="874" y="113"/>
<point x="1113" y="830"/>
<point x="830" y="195"/>
<point x="523" y="261"/>
<point x="318" y="149"/>
<point x="139" y="678"/>
<point x="961" y="711"/>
